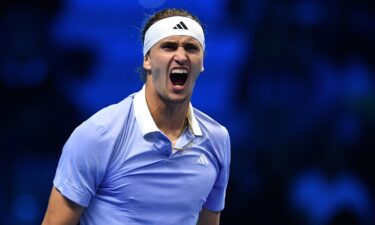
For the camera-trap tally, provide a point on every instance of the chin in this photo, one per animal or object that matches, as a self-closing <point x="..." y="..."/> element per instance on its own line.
<point x="177" y="98"/>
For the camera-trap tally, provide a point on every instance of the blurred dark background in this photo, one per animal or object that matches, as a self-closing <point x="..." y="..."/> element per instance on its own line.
<point x="292" y="80"/>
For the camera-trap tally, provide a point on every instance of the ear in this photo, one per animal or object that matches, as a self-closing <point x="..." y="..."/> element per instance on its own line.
<point x="146" y="62"/>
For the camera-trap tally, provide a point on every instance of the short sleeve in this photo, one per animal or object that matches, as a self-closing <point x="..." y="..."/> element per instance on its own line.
<point x="216" y="198"/>
<point x="83" y="163"/>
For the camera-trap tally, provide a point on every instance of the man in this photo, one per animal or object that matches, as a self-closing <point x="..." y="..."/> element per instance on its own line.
<point x="152" y="158"/>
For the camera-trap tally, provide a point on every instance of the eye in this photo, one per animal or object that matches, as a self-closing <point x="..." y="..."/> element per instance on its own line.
<point x="169" y="46"/>
<point x="190" y="47"/>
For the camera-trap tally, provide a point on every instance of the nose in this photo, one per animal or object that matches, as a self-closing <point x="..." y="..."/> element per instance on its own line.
<point x="180" y="56"/>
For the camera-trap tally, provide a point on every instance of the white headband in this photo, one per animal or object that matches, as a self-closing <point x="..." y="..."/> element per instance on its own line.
<point x="176" y="25"/>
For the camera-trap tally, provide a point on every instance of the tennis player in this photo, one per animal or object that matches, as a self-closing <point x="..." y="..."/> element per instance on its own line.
<point x="151" y="158"/>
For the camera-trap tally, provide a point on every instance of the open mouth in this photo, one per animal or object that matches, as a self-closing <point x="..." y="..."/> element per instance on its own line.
<point x="179" y="76"/>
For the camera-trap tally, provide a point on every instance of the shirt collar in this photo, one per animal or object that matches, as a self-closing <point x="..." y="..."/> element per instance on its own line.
<point x="144" y="118"/>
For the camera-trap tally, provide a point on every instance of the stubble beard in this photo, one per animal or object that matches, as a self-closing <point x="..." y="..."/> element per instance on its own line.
<point x="169" y="101"/>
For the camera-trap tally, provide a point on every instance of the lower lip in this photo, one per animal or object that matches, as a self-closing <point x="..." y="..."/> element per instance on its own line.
<point x="177" y="87"/>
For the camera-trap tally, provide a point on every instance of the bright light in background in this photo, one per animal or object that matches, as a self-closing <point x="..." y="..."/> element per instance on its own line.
<point x="151" y="4"/>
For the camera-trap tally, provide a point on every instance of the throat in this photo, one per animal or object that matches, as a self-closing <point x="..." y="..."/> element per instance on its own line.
<point x="170" y="118"/>
<point x="174" y="134"/>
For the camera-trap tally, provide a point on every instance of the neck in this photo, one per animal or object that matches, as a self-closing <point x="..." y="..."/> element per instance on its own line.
<point x="169" y="117"/>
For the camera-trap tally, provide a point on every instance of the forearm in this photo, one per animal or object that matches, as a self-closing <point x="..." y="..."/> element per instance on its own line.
<point x="207" y="217"/>
<point x="61" y="211"/>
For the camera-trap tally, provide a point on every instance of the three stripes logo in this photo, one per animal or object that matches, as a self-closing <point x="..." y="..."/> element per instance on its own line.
<point x="181" y="26"/>
<point x="202" y="160"/>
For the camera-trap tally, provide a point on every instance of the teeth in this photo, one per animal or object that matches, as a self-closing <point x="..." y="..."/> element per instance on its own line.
<point x="179" y="71"/>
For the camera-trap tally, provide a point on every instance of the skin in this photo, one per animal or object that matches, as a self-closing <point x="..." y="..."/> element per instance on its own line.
<point x="61" y="211"/>
<point x="168" y="105"/>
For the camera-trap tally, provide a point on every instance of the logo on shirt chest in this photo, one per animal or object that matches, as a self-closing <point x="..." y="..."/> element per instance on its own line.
<point x="195" y="158"/>
<point x="202" y="160"/>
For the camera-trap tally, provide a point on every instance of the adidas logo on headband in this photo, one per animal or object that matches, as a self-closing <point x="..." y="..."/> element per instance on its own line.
<point x="170" y="26"/>
<point x="180" y="26"/>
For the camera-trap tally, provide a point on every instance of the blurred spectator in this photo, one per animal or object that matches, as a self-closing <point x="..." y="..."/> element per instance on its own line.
<point x="36" y="116"/>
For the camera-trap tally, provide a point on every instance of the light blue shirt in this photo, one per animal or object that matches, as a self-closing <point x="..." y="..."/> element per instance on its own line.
<point x="123" y="169"/>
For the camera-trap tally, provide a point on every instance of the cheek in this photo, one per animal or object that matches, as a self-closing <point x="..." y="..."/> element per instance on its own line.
<point x="199" y="62"/>
<point x="159" y="64"/>
<point x="198" y="66"/>
<point x="158" y="73"/>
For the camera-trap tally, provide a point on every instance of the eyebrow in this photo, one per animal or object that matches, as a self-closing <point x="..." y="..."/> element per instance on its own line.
<point x="192" y="41"/>
<point x="175" y="43"/>
<point x="169" y="42"/>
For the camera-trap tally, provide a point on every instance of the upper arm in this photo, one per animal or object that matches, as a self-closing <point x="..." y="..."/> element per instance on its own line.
<point x="83" y="163"/>
<point x="207" y="217"/>
<point x="61" y="211"/>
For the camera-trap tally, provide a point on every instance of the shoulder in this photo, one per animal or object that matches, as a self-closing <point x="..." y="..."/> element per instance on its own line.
<point x="113" y="114"/>
<point x="111" y="119"/>
<point x="210" y="127"/>
<point x="216" y="134"/>
<point x="218" y="137"/>
<point x="106" y="124"/>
